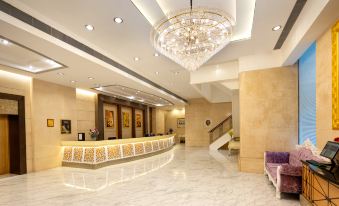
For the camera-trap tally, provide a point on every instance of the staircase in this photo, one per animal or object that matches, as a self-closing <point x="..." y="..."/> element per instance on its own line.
<point x="221" y="134"/>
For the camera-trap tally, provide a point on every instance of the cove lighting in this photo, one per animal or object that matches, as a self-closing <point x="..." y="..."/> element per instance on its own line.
<point x="84" y="92"/>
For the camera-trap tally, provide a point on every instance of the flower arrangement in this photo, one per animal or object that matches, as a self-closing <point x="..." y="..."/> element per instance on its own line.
<point x="94" y="133"/>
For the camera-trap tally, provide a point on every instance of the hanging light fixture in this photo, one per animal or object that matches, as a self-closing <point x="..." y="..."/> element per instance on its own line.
<point x="192" y="36"/>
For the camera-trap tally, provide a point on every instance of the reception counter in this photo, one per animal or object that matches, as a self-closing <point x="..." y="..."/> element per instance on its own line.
<point x="96" y="154"/>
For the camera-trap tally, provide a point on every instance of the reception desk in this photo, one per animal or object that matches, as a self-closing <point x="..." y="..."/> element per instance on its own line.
<point x="319" y="187"/>
<point x="96" y="154"/>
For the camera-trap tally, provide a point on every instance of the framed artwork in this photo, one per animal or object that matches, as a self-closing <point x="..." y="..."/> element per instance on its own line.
<point x="125" y="119"/>
<point x="66" y="126"/>
<point x="181" y="122"/>
<point x="109" y="119"/>
<point x="138" y="120"/>
<point x="50" y="122"/>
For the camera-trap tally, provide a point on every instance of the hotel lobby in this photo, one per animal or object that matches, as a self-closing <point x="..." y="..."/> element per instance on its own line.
<point x="180" y="102"/>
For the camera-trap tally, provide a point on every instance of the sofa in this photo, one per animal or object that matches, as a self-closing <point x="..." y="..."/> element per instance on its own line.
<point x="284" y="169"/>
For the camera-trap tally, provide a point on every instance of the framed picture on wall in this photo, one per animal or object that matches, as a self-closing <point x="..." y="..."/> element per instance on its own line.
<point x="181" y="122"/>
<point x="50" y="122"/>
<point x="66" y="126"/>
<point x="138" y="120"/>
<point x="125" y="119"/>
<point x="109" y="118"/>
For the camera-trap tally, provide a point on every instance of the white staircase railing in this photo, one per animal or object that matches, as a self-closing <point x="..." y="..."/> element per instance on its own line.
<point x="221" y="133"/>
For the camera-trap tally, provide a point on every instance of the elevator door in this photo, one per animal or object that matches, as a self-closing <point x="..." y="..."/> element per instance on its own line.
<point x="4" y="145"/>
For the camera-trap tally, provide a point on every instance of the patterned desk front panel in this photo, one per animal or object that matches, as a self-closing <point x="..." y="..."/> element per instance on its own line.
<point x="100" y="154"/>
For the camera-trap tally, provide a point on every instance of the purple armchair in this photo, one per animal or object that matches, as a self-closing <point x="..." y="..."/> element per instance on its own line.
<point x="284" y="169"/>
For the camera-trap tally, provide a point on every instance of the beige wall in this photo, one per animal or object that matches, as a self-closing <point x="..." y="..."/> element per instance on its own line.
<point x="268" y="114"/>
<point x="51" y="101"/>
<point x="196" y="113"/>
<point x="139" y="131"/>
<point x="20" y="85"/>
<point x="158" y="121"/>
<point x="126" y="131"/>
<point x="85" y="107"/>
<point x="171" y="121"/>
<point x="235" y="114"/>
<point x="111" y="132"/>
<point x="324" y="90"/>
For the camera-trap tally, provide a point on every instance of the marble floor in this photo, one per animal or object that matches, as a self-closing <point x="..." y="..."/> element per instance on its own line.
<point x="181" y="176"/>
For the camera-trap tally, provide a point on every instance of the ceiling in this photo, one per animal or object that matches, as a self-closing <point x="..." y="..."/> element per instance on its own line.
<point x="123" y="42"/>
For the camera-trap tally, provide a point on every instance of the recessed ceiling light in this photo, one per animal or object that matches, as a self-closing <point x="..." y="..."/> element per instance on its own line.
<point x="276" y="28"/>
<point x="176" y="73"/>
<point x="60" y="73"/>
<point x="118" y="20"/>
<point x="156" y="73"/>
<point x="73" y="81"/>
<point x="90" y="78"/>
<point x="156" y="54"/>
<point x="131" y="97"/>
<point x="4" y="42"/>
<point x="30" y="67"/>
<point x="89" y="27"/>
<point x="136" y="58"/>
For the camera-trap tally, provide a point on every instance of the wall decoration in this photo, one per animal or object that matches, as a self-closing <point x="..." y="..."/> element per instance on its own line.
<point x="66" y="127"/>
<point x="181" y="122"/>
<point x="125" y="119"/>
<point x="50" y="122"/>
<point x="208" y="122"/>
<point x="109" y="118"/>
<point x="138" y="120"/>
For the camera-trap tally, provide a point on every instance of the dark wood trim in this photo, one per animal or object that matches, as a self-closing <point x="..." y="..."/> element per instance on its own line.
<point x="17" y="130"/>
<point x="145" y="122"/>
<point x="99" y="120"/>
<point x="119" y="122"/>
<point x="133" y="123"/>
<point x="150" y="120"/>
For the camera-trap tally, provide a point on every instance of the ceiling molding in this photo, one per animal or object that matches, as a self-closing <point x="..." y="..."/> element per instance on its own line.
<point x="28" y="19"/>
<point x="298" y="7"/>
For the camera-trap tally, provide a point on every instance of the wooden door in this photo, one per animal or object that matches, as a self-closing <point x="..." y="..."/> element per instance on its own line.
<point x="4" y="145"/>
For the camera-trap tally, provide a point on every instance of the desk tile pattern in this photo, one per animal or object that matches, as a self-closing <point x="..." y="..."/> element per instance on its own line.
<point x="77" y="155"/>
<point x="100" y="154"/>
<point x="155" y="145"/>
<point x="113" y="152"/>
<point x="67" y="154"/>
<point x="181" y="176"/>
<point x="148" y="147"/>
<point x="127" y="150"/>
<point x="89" y="155"/>
<point x="139" y="148"/>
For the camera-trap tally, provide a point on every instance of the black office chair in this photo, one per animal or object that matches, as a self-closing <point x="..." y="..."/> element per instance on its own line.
<point x="112" y="138"/>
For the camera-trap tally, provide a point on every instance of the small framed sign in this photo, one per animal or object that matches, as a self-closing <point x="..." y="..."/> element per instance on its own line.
<point x="50" y="122"/>
<point x="81" y="136"/>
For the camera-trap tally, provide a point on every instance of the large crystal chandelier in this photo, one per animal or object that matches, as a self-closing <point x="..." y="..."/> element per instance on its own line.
<point x="191" y="37"/>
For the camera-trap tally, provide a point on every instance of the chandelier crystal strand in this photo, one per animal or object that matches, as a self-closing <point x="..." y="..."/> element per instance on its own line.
<point x="191" y="37"/>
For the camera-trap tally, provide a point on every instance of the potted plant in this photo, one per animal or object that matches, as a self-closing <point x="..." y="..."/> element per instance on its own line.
<point x="94" y="133"/>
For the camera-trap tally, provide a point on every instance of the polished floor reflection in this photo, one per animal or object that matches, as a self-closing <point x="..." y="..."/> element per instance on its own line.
<point x="182" y="176"/>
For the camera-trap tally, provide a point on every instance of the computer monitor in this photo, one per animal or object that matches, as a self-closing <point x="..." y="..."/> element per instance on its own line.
<point x="331" y="151"/>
